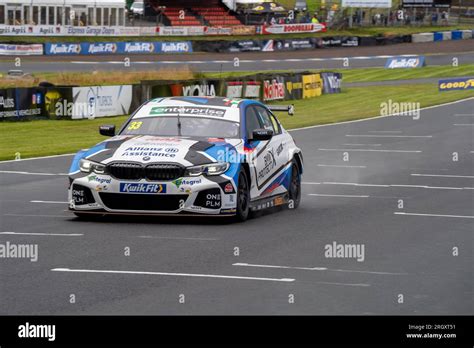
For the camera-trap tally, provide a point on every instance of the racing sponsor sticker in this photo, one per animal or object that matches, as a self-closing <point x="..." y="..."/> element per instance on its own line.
<point x="150" y="151"/>
<point x="187" y="182"/>
<point x="269" y="164"/>
<point x="187" y="110"/>
<point x="98" y="179"/>
<point x="228" y="188"/>
<point x="142" y="188"/>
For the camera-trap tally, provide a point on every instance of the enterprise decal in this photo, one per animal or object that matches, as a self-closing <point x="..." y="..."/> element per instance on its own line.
<point x="187" y="110"/>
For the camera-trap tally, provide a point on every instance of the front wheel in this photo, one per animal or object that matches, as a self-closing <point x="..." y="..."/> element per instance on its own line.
<point x="243" y="197"/>
<point x="295" y="187"/>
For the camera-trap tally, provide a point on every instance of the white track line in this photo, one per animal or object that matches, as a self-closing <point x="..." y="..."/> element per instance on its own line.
<point x="29" y="173"/>
<point x="364" y="144"/>
<point x="463" y="124"/>
<point x="353" y="184"/>
<point x="375" y="117"/>
<point x="49" y="202"/>
<point x="343" y="196"/>
<point x="311" y="183"/>
<point x="435" y="215"/>
<point x="36" y="158"/>
<point x="464" y="115"/>
<point x="344" y="284"/>
<point x="429" y="187"/>
<point x="372" y="150"/>
<point x="388" y="136"/>
<point x="385" y="131"/>
<point x="172" y="274"/>
<point x="396" y="185"/>
<point x="339" y="166"/>
<point x="312" y="268"/>
<point x="445" y="176"/>
<point x="44" y="234"/>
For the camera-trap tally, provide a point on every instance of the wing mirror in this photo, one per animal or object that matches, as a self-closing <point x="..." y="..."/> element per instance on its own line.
<point x="262" y="134"/>
<point x="107" y="129"/>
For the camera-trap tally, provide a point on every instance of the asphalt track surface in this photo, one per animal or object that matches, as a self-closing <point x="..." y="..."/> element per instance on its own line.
<point x="408" y="250"/>
<point x="436" y="53"/>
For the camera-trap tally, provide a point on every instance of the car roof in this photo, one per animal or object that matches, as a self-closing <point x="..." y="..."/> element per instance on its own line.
<point x="210" y="107"/>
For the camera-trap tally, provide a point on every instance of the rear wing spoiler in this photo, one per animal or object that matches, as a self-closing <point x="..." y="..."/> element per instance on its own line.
<point x="285" y="108"/>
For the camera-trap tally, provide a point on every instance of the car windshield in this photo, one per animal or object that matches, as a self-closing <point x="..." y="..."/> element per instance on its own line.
<point x="184" y="126"/>
<point x="137" y="5"/>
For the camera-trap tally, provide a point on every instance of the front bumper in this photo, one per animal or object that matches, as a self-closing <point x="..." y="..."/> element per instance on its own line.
<point x="95" y="193"/>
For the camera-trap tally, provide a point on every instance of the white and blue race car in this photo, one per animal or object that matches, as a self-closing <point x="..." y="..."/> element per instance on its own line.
<point x="189" y="155"/>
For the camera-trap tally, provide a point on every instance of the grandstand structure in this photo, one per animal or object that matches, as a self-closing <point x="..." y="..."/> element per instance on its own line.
<point x="194" y="13"/>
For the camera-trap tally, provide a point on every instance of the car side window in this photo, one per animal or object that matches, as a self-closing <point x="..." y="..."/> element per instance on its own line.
<point x="251" y="121"/>
<point x="276" y="125"/>
<point x="268" y="120"/>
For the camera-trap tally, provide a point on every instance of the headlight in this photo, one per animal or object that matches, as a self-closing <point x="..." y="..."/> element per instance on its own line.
<point x="208" y="169"/>
<point x="87" y="166"/>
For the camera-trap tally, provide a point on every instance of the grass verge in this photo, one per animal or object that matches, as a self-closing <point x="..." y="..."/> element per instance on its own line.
<point x="376" y="74"/>
<point x="99" y="78"/>
<point x="42" y="138"/>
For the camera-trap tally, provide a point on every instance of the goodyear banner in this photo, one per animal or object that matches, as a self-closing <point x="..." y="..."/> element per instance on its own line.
<point x="331" y="82"/>
<point x="456" y="84"/>
<point x="99" y="48"/>
<point x="405" y="62"/>
<point x="312" y="85"/>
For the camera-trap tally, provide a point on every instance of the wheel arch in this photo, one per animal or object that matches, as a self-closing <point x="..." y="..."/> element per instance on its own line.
<point x="298" y="157"/>
<point x="245" y="166"/>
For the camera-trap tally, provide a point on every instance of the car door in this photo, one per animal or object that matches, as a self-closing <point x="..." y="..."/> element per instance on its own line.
<point x="271" y="158"/>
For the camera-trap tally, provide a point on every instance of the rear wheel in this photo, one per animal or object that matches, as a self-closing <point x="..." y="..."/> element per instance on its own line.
<point x="295" y="186"/>
<point x="243" y="197"/>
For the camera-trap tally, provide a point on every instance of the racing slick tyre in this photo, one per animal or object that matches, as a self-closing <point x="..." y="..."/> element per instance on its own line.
<point x="243" y="197"/>
<point x="295" y="186"/>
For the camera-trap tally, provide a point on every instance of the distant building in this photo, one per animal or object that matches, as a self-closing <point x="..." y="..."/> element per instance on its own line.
<point x="63" y="12"/>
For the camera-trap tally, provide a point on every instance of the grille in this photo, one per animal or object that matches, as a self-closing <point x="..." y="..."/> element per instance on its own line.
<point x="122" y="201"/>
<point x="152" y="172"/>
<point x="128" y="171"/>
<point x="163" y="172"/>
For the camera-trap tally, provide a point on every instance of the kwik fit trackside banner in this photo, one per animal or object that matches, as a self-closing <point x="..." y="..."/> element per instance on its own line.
<point x="456" y="84"/>
<point x="117" y="48"/>
<point x="405" y="62"/>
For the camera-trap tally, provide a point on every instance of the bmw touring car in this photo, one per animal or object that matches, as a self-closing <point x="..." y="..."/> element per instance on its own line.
<point x="189" y="155"/>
